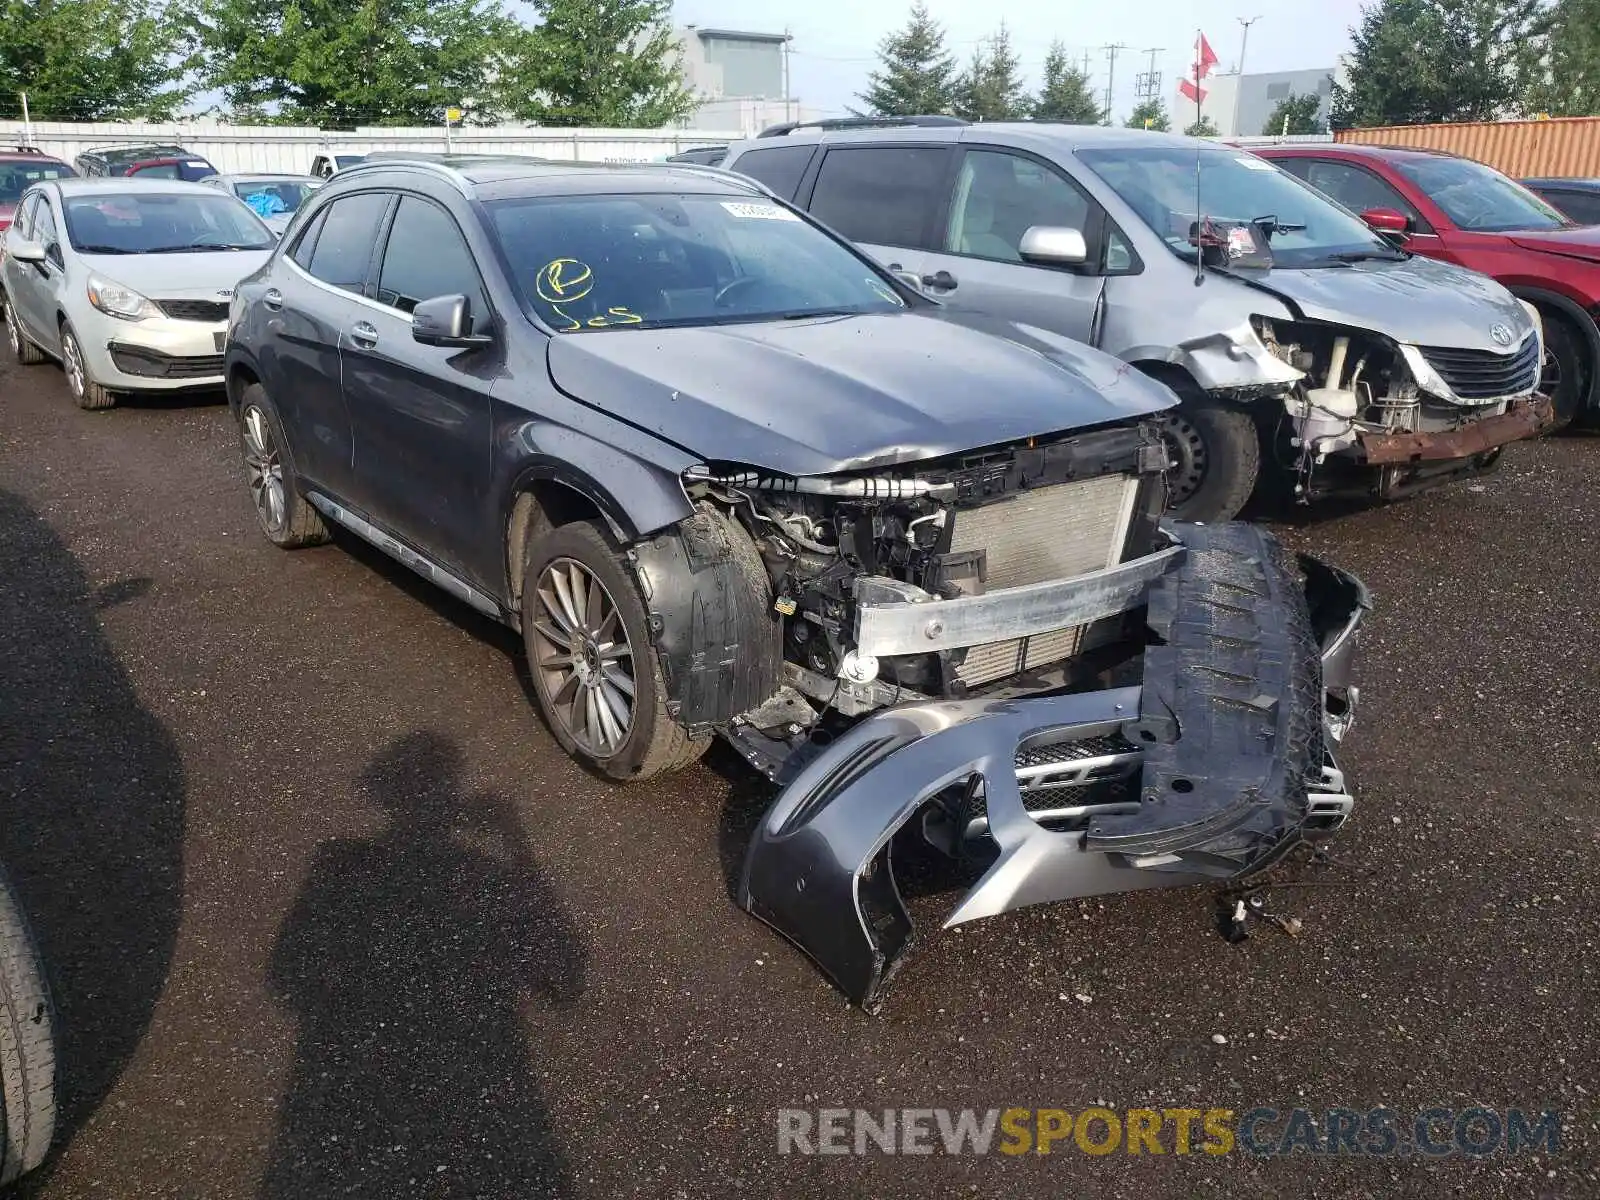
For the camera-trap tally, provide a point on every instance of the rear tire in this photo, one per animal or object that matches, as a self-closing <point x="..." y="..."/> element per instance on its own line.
<point x="89" y="394"/>
<point x="283" y="514"/>
<point x="595" y="674"/>
<point x="1217" y="452"/>
<point x="24" y="351"/>
<point x="1565" y="374"/>
<point x="27" y="1047"/>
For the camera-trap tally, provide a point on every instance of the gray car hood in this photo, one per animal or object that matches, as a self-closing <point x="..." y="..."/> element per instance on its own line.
<point x="810" y="397"/>
<point x="210" y="275"/>
<point x="1422" y="301"/>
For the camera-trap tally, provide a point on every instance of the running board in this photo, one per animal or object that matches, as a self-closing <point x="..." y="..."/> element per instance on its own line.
<point x="401" y="553"/>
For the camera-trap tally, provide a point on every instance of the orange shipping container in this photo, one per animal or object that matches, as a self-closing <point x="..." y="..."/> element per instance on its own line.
<point x="1564" y="147"/>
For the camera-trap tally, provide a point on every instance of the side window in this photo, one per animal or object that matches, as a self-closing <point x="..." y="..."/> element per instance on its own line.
<point x="1582" y="207"/>
<point x="999" y="197"/>
<point x="425" y="257"/>
<point x="44" y="231"/>
<point x="159" y="171"/>
<point x="343" y="249"/>
<point x="884" y="196"/>
<point x="779" y="167"/>
<point x="23" y="221"/>
<point x="1353" y="187"/>
<point x="301" y="254"/>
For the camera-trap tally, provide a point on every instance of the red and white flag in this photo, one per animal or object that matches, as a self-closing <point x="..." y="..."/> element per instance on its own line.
<point x="1205" y="59"/>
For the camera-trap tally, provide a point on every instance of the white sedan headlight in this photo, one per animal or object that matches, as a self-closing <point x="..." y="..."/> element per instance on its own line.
<point x="115" y="300"/>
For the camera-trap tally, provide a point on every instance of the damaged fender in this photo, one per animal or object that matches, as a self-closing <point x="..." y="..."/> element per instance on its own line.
<point x="1235" y="766"/>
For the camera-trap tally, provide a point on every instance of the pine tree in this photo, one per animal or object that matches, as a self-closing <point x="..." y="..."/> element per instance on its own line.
<point x="916" y="74"/>
<point x="1151" y="114"/>
<point x="1066" y="95"/>
<point x="992" y="88"/>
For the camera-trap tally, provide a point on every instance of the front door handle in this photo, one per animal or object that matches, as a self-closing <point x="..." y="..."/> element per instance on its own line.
<point x="364" y="333"/>
<point x="942" y="280"/>
<point x="273" y="299"/>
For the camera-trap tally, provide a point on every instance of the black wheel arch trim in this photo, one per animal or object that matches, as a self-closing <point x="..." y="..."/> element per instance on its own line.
<point x="1581" y="319"/>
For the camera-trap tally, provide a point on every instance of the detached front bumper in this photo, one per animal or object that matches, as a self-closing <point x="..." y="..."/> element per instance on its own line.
<point x="1229" y="735"/>
<point x="1522" y="419"/>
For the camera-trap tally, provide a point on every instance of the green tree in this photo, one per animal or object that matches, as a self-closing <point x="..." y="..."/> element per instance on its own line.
<point x="1296" y="114"/>
<point x="92" y="60"/>
<point x="357" y="62"/>
<point x="1421" y="61"/>
<point x="1152" y="111"/>
<point x="915" y="74"/>
<point x="992" y="88"/>
<point x="1571" y="85"/>
<point x="1204" y="127"/>
<point x="1066" y="95"/>
<point x="600" y="63"/>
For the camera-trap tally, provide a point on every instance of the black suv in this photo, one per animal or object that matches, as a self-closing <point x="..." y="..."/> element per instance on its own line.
<point x="729" y="477"/>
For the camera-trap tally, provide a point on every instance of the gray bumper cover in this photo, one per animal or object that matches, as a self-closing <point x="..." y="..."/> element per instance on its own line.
<point x="1244" y="692"/>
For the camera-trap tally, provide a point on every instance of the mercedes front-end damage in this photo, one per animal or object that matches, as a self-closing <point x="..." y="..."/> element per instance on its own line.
<point x="1006" y="653"/>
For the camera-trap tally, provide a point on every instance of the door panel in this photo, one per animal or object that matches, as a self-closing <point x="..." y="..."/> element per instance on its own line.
<point x="45" y="280"/>
<point x="420" y="414"/>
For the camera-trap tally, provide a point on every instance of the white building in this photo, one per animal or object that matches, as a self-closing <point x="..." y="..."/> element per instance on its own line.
<point x="740" y="78"/>
<point x="1239" y="105"/>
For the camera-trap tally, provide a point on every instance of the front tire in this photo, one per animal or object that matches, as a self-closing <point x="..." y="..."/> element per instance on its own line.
<point x="27" y="1047"/>
<point x="1217" y="453"/>
<point x="89" y="394"/>
<point x="595" y="674"/>
<point x="24" y="351"/>
<point x="1565" y="373"/>
<point x="281" y="511"/>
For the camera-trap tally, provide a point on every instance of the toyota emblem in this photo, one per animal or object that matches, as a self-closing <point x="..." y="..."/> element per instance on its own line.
<point x="1501" y="335"/>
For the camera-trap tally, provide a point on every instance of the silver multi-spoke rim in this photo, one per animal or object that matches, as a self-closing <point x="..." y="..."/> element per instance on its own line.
<point x="583" y="658"/>
<point x="72" y="360"/>
<point x="13" y="334"/>
<point x="265" y="469"/>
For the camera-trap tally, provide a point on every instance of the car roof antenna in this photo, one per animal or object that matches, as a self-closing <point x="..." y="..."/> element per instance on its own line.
<point x="1199" y="213"/>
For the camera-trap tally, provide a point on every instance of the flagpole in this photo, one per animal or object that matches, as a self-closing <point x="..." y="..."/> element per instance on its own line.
<point x="1198" y="94"/>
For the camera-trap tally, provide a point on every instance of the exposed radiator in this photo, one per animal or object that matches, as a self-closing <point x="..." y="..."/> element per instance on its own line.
<point x="1050" y="533"/>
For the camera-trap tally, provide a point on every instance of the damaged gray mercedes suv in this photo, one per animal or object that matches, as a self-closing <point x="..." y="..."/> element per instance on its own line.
<point x="728" y="477"/>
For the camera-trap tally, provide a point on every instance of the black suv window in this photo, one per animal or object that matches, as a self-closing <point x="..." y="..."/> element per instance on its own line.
<point x="425" y="257"/>
<point x="1582" y="207"/>
<point x="999" y="197"/>
<point x="343" y="249"/>
<point x="884" y="196"/>
<point x="779" y="167"/>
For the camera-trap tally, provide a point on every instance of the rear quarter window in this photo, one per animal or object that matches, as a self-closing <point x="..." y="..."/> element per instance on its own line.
<point x="886" y="196"/>
<point x="779" y="167"/>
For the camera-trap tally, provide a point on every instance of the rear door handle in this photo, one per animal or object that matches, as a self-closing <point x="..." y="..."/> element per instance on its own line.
<point x="942" y="280"/>
<point x="364" y="333"/>
<point x="273" y="299"/>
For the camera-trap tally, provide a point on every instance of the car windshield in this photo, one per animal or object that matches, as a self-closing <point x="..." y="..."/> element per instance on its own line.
<point x="272" y="197"/>
<point x="1479" y="198"/>
<point x="162" y="223"/>
<point x="637" y="261"/>
<point x="18" y="177"/>
<point x="1305" y="230"/>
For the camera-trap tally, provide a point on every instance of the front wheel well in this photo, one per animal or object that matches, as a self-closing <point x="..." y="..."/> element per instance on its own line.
<point x="240" y="376"/>
<point x="542" y="506"/>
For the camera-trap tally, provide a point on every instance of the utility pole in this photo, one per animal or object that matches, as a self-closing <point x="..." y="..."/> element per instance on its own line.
<point x="1111" y="76"/>
<point x="1147" y="86"/>
<point x="1238" y="82"/>
<point x="27" y="125"/>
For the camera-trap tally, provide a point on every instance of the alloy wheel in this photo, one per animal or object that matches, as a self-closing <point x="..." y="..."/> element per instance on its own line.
<point x="1188" y="451"/>
<point x="583" y="657"/>
<point x="13" y="334"/>
<point x="72" y="362"/>
<point x="265" y="469"/>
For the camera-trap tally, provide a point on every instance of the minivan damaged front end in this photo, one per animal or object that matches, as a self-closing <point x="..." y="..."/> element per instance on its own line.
<point x="1211" y="764"/>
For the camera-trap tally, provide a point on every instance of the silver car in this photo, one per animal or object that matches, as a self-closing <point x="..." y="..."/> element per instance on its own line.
<point x="1302" y="341"/>
<point x="273" y="198"/>
<point x="127" y="282"/>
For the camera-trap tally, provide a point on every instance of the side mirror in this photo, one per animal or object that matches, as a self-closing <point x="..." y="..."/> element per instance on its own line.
<point x="446" y="321"/>
<point x="1388" y="221"/>
<point x="25" y="250"/>
<point x="1054" y="245"/>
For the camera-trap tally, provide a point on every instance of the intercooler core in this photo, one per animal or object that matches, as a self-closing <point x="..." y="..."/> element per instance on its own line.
<point x="1047" y="533"/>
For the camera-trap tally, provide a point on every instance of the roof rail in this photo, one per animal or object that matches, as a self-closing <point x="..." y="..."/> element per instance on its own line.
<point x="746" y="182"/>
<point x="929" y="120"/>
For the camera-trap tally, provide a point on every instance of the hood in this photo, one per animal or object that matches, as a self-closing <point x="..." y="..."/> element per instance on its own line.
<point x="832" y="394"/>
<point x="203" y="276"/>
<point x="1580" y="242"/>
<point x="1419" y="300"/>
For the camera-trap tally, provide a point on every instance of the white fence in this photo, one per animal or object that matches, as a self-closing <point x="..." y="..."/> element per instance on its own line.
<point x="277" y="148"/>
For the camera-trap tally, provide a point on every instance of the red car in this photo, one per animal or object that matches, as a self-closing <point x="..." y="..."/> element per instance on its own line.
<point x="1445" y="206"/>
<point x="20" y="169"/>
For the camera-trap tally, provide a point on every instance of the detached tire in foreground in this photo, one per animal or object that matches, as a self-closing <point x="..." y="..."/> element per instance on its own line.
<point x="596" y="675"/>
<point x="27" y="1047"/>
<point x="1217" y="459"/>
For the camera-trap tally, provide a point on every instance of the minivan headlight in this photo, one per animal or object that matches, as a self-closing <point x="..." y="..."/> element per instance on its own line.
<point x="115" y="300"/>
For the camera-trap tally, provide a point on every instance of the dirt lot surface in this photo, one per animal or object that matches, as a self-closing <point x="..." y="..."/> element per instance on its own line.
<point x="328" y="914"/>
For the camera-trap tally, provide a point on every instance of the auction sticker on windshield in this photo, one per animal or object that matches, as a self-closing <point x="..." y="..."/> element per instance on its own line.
<point x="759" y="212"/>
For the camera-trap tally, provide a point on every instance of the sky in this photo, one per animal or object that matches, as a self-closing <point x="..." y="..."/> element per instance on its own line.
<point x="835" y="41"/>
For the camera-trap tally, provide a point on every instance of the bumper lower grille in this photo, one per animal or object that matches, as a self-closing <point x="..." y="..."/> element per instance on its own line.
<point x="152" y="364"/>
<point x="1054" y="532"/>
<point x="1483" y="375"/>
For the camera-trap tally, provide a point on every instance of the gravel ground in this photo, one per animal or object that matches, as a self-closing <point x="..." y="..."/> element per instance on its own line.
<point x="328" y="914"/>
